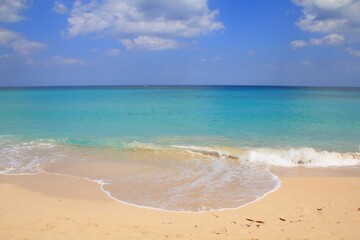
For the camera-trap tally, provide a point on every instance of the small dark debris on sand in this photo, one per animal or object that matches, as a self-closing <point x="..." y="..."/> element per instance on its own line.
<point x="319" y="209"/>
<point x="256" y="221"/>
<point x="282" y="219"/>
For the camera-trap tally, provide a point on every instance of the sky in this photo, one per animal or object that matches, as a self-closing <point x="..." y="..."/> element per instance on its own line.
<point x="180" y="42"/>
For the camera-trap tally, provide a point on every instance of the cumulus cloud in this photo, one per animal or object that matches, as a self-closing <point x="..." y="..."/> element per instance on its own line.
<point x="18" y="43"/>
<point x="338" y="20"/>
<point x="185" y="18"/>
<point x="58" y="60"/>
<point x="331" y="39"/>
<point x="10" y="10"/>
<point x="147" y="22"/>
<point x="60" y="7"/>
<point x="150" y="43"/>
<point x="355" y="53"/>
<point x="329" y="16"/>
<point x="298" y="44"/>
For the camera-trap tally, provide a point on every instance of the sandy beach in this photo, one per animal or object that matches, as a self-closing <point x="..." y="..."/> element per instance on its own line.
<point x="56" y="207"/>
<point x="182" y="119"/>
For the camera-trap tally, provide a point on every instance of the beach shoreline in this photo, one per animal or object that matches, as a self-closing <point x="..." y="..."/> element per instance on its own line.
<point x="47" y="206"/>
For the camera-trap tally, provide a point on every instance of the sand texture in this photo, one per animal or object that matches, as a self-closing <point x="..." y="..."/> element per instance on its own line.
<point x="56" y="207"/>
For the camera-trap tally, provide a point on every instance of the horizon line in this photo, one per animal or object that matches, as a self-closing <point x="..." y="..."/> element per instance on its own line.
<point x="170" y="85"/>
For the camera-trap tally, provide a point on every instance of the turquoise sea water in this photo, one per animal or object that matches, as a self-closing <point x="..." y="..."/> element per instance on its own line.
<point x="223" y="135"/>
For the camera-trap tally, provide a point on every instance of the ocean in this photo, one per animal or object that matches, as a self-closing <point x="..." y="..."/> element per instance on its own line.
<point x="178" y="148"/>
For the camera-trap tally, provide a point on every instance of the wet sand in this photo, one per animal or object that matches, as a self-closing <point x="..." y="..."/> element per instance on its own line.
<point x="56" y="207"/>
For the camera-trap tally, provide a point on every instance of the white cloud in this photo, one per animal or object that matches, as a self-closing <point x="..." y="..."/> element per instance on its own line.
<point x="18" y="43"/>
<point x="58" y="60"/>
<point x="310" y="23"/>
<point x="156" y="19"/>
<point x="10" y="10"/>
<point x="211" y="59"/>
<point x="184" y="18"/>
<point x="150" y="43"/>
<point x="329" y="16"/>
<point x="338" y="20"/>
<point x="112" y="52"/>
<point x="331" y="39"/>
<point x="298" y="44"/>
<point x="325" y="4"/>
<point x="60" y="7"/>
<point x="7" y="36"/>
<point x="24" y="46"/>
<point x="355" y="53"/>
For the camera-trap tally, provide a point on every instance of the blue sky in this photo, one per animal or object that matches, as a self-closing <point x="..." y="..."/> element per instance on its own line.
<point x="258" y="42"/>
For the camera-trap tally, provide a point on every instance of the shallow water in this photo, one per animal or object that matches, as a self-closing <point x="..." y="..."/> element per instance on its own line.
<point x="181" y="149"/>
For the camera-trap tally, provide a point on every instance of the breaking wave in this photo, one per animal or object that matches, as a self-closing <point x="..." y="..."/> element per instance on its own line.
<point x="167" y="177"/>
<point x="292" y="157"/>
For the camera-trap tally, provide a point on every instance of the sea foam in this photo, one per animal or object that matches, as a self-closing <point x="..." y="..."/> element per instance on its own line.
<point x="168" y="177"/>
<point x="25" y="157"/>
<point x="292" y="157"/>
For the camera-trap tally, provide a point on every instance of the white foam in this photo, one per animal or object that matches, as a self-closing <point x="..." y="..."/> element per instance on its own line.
<point x="25" y="157"/>
<point x="200" y="210"/>
<point x="135" y="145"/>
<point x="209" y="151"/>
<point x="307" y="157"/>
<point x="292" y="157"/>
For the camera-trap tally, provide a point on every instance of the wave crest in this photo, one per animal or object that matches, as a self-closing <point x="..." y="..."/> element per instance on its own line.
<point x="307" y="157"/>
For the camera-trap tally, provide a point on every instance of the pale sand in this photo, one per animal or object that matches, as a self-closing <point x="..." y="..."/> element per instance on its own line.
<point x="55" y="207"/>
